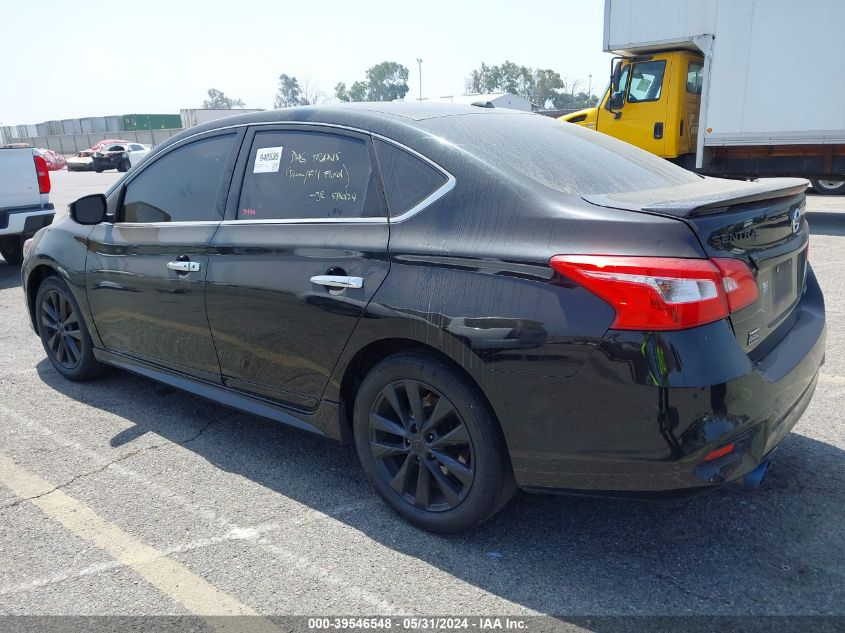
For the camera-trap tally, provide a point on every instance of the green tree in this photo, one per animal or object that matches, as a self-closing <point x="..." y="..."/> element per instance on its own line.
<point x="543" y="87"/>
<point x="219" y="101"/>
<point x="508" y="77"/>
<point x="549" y="89"/>
<point x="293" y="93"/>
<point x="356" y="92"/>
<point x="289" y="93"/>
<point x="386" y="81"/>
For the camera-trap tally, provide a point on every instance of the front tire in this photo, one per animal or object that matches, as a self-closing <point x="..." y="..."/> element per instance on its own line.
<point x="429" y="444"/>
<point x="123" y="165"/>
<point x="828" y="187"/>
<point x="11" y="248"/>
<point x="64" y="333"/>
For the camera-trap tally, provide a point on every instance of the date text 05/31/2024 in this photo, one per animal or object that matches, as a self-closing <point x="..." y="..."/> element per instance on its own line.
<point x="479" y="623"/>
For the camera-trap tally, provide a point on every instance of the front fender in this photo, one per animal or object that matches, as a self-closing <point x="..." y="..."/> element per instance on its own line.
<point x="60" y="250"/>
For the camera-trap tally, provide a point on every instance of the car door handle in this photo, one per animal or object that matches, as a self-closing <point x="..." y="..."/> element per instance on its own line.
<point x="337" y="281"/>
<point x="184" y="267"/>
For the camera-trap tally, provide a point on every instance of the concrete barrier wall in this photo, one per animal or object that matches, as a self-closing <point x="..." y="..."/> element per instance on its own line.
<point x="70" y="144"/>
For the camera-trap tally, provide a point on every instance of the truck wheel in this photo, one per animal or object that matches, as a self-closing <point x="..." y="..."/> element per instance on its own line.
<point x="11" y="248"/>
<point x="828" y="187"/>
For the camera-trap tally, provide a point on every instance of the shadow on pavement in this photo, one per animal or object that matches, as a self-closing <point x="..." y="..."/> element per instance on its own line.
<point x="826" y="223"/>
<point x="777" y="550"/>
<point x="10" y="276"/>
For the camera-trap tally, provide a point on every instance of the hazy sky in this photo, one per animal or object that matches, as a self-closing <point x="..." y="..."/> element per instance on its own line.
<point x="61" y="59"/>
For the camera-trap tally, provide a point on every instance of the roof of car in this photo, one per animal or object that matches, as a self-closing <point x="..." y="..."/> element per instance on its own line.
<point x="371" y="116"/>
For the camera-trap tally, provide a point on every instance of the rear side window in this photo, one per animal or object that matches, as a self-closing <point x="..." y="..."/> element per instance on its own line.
<point x="181" y="186"/>
<point x="695" y="78"/>
<point x="308" y="175"/>
<point x="408" y="180"/>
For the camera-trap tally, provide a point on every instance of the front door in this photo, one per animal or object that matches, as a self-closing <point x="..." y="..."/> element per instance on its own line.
<point x="302" y="251"/>
<point x="642" y="118"/>
<point x="145" y="273"/>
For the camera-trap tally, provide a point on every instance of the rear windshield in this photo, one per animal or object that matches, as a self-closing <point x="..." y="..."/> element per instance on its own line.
<point x="562" y="156"/>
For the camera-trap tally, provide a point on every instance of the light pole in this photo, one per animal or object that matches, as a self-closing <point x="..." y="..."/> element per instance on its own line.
<point x="590" y="85"/>
<point x="419" y="63"/>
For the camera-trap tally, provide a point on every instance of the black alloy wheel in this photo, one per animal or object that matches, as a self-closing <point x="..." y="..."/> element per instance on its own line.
<point x="63" y="331"/>
<point x="429" y="443"/>
<point x="421" y="445"/>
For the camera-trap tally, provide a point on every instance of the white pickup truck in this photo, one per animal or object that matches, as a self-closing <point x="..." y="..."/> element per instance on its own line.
<point x="24" y="199"/>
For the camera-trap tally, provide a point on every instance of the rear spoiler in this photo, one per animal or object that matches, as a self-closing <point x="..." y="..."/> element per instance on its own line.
<point x="710" y="195"/>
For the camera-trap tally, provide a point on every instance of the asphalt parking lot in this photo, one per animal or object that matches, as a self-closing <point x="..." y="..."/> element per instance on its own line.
<point x="123" y="496"/>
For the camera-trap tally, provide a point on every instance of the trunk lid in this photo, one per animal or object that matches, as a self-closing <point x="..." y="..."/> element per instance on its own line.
<point x="762" y="223"/>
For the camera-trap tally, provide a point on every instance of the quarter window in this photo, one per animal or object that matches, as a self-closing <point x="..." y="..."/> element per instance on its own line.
<point x="181" y="186"/>
<point x="646" y="81"/>
<point x="308" y="175"/>
<point x="695" y="78"/>
<point x="408" y="180"/>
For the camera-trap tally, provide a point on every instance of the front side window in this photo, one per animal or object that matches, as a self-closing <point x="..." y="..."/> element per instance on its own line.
<point x="646" y="81"/>
<point x="181" y="186"/>
<point x="408" y="180"/>
<point x="294" y="175"/>
<point x="695" y="78"/>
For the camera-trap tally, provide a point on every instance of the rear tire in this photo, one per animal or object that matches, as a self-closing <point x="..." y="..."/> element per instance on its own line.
<point x="11" y="248"/>
<point x="429" y="444"/>
<point x="828" y="187"/>
<point x="64" y="333"/>
<point x="123" y="165"/>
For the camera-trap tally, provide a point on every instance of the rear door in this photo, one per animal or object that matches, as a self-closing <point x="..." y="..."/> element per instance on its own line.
<point x="301" y="252"/>
<point x="145" y="273"/>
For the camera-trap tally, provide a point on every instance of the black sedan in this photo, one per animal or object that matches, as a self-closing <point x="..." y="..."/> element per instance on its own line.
<point x="478" y="299"/>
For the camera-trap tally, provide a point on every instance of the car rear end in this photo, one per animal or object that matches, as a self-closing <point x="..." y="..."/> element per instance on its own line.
<point x="712" y="349"/>
<point x="728" y="347"/>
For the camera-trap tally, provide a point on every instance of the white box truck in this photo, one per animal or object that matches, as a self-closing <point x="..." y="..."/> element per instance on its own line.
<point x="737" y="88"/>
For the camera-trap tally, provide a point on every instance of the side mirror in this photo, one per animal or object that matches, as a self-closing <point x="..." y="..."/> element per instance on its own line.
<point x="616" y="101"/>
<point x="616" y="76"/>
<point x="89" y="209"/>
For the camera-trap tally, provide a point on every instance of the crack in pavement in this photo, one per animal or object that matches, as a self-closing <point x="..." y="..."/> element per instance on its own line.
<point x="124" y="457"/>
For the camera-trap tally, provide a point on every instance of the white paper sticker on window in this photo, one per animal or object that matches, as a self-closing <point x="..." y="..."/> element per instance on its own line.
<point x="267" y="160"/>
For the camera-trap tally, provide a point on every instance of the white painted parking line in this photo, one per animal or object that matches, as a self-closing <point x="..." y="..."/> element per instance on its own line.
<point x="166" y="574"/>
<point x="832" y="378"/>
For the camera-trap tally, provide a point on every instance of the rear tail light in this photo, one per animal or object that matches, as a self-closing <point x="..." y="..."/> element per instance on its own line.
<point x="738" y="282"/>
<point x="43" y="174"/>
<point x="662" y="293"/>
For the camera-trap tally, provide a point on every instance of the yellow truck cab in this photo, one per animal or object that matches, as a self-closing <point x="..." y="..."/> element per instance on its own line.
<point x="698" y="82"/>
<point x="653" y="102"/>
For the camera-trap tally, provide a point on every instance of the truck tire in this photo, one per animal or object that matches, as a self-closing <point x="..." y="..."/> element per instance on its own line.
<point x="828" y="187"/>
<point x="11" y="248"/>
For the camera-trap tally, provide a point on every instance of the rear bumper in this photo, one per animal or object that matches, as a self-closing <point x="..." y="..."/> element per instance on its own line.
<point x="25" y="221"/>
<point x="639" y="418"/>
<point x="105" y="163"/>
